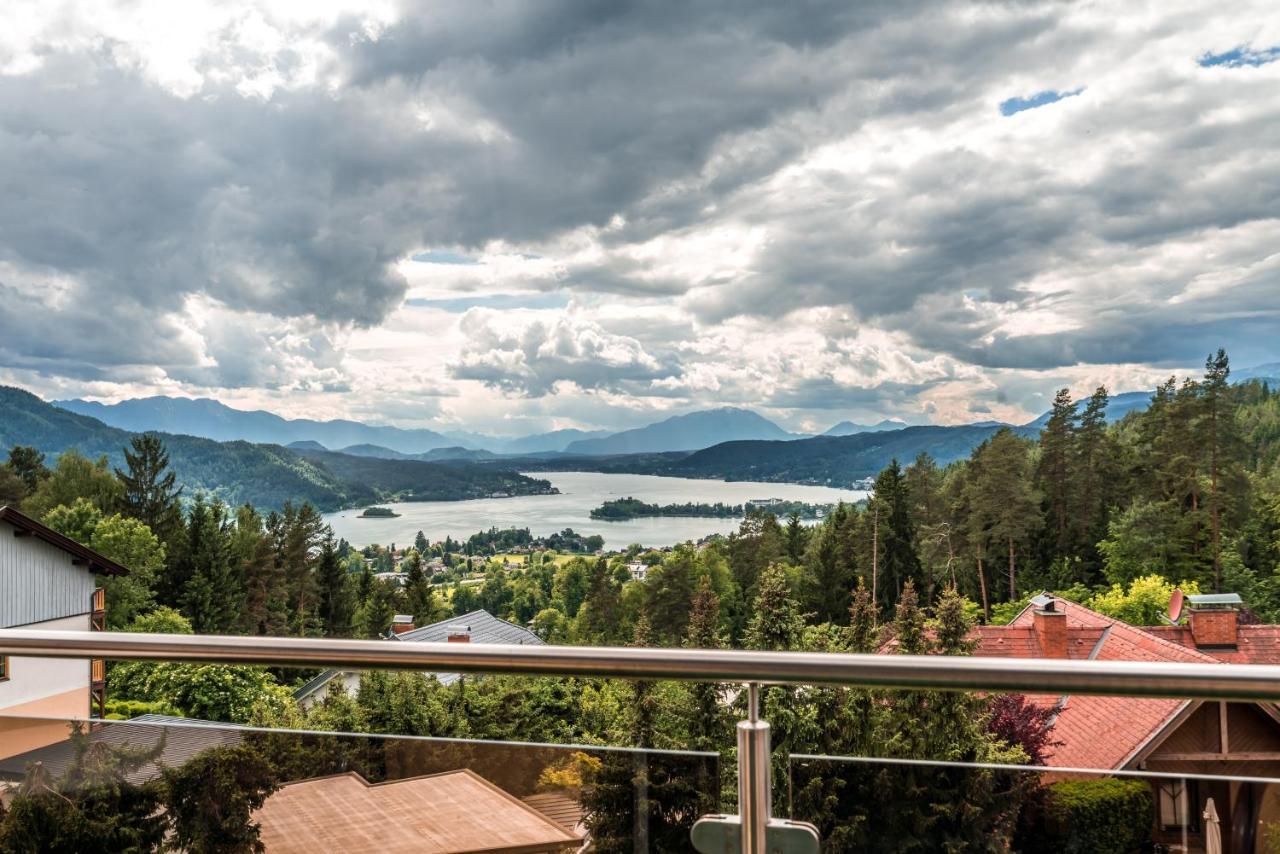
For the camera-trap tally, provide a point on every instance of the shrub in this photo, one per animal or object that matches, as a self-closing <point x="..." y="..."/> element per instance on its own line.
<point x="1107" y="816"/>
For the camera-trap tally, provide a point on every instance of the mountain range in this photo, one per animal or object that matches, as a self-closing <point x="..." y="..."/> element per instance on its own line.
<point x="212" y="419"/>
<point x="266" y="475"/>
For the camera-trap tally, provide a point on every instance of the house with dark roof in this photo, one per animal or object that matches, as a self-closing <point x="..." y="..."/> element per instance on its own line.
<point x="47" y="582"/>
<point x="180" y="739"/>
<point x="478" y="627"/>
<point x="1178" y="736"/>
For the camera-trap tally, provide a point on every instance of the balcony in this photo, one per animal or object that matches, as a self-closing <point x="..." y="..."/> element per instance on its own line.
<point x="1214" y="774"/>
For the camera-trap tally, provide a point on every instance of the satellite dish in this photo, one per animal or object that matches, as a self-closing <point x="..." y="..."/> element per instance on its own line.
<point x="1175" y="605"/>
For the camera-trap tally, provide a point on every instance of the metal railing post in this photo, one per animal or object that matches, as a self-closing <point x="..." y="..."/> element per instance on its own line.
<point x="754" y="792"/>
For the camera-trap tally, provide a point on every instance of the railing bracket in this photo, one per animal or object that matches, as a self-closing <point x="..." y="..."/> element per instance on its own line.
<point x="722" y="834"/>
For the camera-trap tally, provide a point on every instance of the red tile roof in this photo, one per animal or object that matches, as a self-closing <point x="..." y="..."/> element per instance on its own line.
<point x="1096" y="732"/>
<point x="1255" y="644"/>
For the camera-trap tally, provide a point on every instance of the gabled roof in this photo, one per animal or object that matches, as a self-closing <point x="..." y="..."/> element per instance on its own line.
<point x="484" y="629"/>
<point x="456" y="811"/>
<point x="1096" y="732"/>
<point x="92" y="561"/>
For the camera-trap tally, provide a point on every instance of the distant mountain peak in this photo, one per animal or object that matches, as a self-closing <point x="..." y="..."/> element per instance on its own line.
<point x="849" y="428"/>
<point x="688" y="432"/>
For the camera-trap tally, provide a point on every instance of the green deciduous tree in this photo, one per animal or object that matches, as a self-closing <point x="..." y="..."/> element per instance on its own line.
<point x="75" y="476"/>
<point x="126" y="541"/>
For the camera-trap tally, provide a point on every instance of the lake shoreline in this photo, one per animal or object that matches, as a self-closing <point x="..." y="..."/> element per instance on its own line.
<point x="569" y="507"/>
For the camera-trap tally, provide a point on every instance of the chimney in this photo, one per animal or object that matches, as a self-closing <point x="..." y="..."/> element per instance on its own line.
<point x="1051" y="630"/>
<point x="1213" y="628"/>
<point x="459" y="633"/>
<point x="402" y="623"/>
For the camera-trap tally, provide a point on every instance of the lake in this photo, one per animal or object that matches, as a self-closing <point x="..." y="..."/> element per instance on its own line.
<point x="580" y="493"/>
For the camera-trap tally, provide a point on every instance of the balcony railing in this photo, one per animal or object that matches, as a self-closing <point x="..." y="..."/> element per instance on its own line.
<point x="753" y="828"/>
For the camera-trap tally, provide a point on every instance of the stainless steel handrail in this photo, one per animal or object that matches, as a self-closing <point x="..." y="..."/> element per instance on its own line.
<point x="948" y="673"/>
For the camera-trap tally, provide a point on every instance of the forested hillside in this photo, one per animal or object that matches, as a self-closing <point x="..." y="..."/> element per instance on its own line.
<point x="834" y="460"/>
<point x="242" y="472"/>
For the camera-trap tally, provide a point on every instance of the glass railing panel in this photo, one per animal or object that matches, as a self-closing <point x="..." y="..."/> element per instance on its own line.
<point x="862" y="804"/>
<point x="152" y="778"/>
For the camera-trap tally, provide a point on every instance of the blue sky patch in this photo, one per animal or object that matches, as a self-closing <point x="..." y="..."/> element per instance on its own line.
<point x="1240" y="57"/>
<point x="461" y="304"/>
<point x="1039" y="99"/>
<point x="443" y="256"/>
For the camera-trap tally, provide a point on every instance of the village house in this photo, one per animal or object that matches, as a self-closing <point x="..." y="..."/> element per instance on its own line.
<point x="478" y="626"/>
<point x="1177" y="736"/>
<point x="48" y="582"/>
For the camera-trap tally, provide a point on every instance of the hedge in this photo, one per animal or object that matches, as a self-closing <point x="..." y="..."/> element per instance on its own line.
<point x="1106" y="816"/>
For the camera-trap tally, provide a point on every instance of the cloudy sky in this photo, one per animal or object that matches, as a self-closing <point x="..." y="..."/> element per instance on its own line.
<point x="516" y="216"/>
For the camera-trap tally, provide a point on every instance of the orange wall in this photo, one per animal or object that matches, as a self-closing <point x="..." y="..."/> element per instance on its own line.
<point x="27" y="726"/>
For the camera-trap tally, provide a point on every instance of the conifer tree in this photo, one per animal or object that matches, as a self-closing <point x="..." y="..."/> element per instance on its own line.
<point x="796" y="537"/>
<point x="337" y="599"/>
<point x="150" y="494"/>
<point x="1221" y="441"/>
<point x="829" y="566"/>
<point x="28" y="464"/>
<point x="862" y="621"/>
<point x="896" y="561"/>
<point x="211" y="593"/>
<point x="419" y="597"/>
<point x="1055" y="469"/>
<point x="1003" y="501"/>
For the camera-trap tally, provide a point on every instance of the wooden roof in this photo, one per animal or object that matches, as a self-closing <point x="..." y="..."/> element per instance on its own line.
<point x="449" y="813"/>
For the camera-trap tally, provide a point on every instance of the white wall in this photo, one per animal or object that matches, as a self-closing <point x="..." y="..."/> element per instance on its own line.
<point x="39" y="582"/>
<point x="36" y="678"/>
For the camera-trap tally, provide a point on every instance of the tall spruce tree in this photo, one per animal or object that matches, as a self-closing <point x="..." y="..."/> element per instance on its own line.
<point x="893" y="535"/>
<point x="150" y="491"/>
<point x="337" y="593"/>
<point x="210" y="593"/>
<point x="830" y="567"/>
<point x="1220" y="437"/>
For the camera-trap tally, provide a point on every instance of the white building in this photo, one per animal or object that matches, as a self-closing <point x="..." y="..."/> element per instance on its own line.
<point x="47" y="582"/>
<point x="639" y="571"/>
<point x="478" y="627"/>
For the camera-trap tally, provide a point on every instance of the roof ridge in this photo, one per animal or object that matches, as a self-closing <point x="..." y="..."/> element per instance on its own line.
<point x="1113" y="622"/>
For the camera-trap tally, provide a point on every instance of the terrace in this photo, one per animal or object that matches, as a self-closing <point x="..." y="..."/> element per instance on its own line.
<point x="434" y="794"/>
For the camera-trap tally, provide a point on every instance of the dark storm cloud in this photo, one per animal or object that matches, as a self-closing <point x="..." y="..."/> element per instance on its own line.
<point x="468" y="123"/>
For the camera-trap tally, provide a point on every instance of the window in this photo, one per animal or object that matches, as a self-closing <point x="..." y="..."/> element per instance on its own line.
<point x="4" y="667"/>
<point x="1177" y="801"/>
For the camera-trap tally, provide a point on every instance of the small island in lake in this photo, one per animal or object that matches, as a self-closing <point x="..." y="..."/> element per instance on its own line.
<point x="378" y="513"/>
<point x="622" y="509"/>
